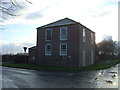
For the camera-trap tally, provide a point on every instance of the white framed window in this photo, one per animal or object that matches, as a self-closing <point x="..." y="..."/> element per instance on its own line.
<point x="63" y="33"/>
<point x="84" y="35"/>
<point x="92" y="57"/>
<point x="84" y="57"/>
<point x="92" y="38"/>
<point x="63" y="49"/>
<point x="48" y="34"/>
<point x="48" y="49"/>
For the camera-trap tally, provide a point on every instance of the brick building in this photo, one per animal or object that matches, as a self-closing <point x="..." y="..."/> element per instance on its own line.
<point x="64" y="43"/>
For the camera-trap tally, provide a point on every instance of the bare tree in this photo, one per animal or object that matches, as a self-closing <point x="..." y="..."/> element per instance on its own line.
<point x="107" y="48"/>
<point x="10" y="8"/>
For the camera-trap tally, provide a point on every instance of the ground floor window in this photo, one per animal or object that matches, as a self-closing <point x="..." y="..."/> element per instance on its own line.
<point x="92" y="57"/>
<point x="48" y="49"/>
<point x="63" y="49"/>
<point x="83" y="57"/>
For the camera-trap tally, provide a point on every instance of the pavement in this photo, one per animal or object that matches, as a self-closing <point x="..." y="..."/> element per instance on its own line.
<point x="108" y="78"/>
<point x="23" y="78"/>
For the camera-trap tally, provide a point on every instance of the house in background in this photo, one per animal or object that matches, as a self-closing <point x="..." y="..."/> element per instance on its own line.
<point x="64" y="43"/>
<point x="32" y="55"/>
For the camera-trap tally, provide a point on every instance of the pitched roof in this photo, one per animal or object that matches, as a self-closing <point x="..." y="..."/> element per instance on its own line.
<point x="34" y="47"/>
<point x="65" y="21"/>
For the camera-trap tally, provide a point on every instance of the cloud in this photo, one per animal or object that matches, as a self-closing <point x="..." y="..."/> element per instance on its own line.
<point x="102" y="14"/>
<point x="14" y="48"/>
<point x="34" y="15"/>
<point x="105" y="13"/>
<point x="11" y="48"/>
<point x="98" y="15"/>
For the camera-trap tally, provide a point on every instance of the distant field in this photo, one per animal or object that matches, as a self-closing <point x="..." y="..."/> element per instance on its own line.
<point x="101" y="65"/>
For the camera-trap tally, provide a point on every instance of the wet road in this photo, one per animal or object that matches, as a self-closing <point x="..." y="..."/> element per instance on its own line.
<point x="23" y="78"/>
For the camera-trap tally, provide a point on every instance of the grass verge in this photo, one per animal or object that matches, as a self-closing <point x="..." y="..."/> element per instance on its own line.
<point x="102" y="65"/>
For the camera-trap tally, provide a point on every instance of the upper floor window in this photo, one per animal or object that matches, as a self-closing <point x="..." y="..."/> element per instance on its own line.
<point x="92" y="38"/>
<point x="48" y="34"/>
<point x="84" y="35"/>
<point x="63" y="49"/>
<point x="63" y="33"/>
<point x="48" y="49"/>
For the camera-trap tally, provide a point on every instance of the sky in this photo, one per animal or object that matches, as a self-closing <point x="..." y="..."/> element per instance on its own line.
<point x="101" y="16"/>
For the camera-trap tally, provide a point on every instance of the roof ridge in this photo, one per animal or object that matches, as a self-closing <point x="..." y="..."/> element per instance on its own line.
<point x="59" y="22"/>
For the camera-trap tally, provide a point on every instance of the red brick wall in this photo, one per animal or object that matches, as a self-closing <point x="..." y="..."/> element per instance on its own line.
<point x="75" y="47"/>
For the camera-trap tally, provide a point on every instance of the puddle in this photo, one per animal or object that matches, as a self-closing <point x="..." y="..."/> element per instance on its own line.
<point x="96" y="78"/>
<point x="115" y="76"/>
<point x="109" y="82"/>
<point x="113" y="72"/>
<point x="114" y="84"/>
<point x="99" y="73"/>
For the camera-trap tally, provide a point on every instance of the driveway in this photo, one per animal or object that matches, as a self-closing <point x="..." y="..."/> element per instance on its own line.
<point x="23" y="78"/>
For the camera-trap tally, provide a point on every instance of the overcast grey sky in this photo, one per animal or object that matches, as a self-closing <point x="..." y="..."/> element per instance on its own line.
<point x="101" y="16"/>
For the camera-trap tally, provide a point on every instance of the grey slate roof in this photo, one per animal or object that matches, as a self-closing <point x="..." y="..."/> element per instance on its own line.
<point x="65" y="21"/>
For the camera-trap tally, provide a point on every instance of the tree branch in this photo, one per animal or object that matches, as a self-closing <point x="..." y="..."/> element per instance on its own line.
<point x="28" y="1"/>
<point x="12" y="2"/>
<point x="10" y="8"/>
<point x="3" y="8"/>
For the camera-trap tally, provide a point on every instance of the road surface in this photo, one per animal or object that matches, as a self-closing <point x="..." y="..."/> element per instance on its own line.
<point x="23" y="78"/>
